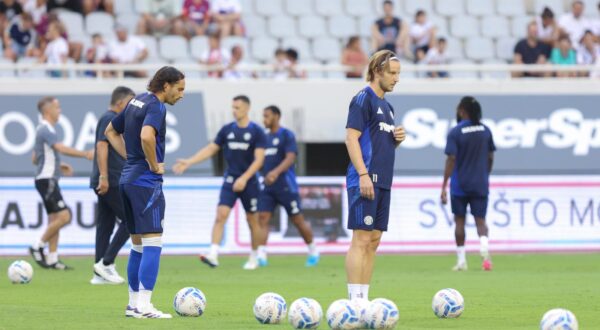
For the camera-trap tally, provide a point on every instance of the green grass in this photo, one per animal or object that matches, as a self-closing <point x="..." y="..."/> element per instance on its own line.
<point x="513" y="296"/>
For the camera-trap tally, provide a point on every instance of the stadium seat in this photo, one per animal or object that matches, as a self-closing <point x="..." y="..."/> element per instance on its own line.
<point x="519" y="24"/>
<point x="229" y="42"/>
<point x="99" y="22"/>
<point x="505" y="48"/>
<point x="311" y="26"/>
<point x="299" y="8"/>
<point x="365" y="24"/>
<point x="480" y="7"/>
<point x="263" y="49"/>
<point x="140" y="6"/>
<point x="450" y="7"/>
<point x="328" y="7"/>
<point x="478" y="48"/>
<point x="342" y="26"/>
<point x="151" y="46"/>
<point x="464" y="74"/>
<point x="455" y="49"/>
<point x="590" y="8"/>
<point x="123" y="7"/>
<point x="494" y="27"/>
<point x="359" y="8"/>
<point x="511" y="7"/>
<point x="256" y="26"/>
<point x="495" y="74"/>
<point x="269" y="8"/>
<point x="440" y="23"/>
<point x="248" y="7"/>
<point x="326" y="49"/>
<point x="73" y="23"/>
<point x="299" y="44"/>
<point x="198" y="45"/>
<point x="411" y="7"/>
<point x="282" y="26"/>
<point x="557" y="6"/>
<point x="464" y="26"/>
<point x="173" y="48"/>
<point x="129" y="21"/>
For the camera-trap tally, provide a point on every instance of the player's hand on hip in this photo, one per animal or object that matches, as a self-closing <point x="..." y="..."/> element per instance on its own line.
<point x="239" y="184"/>
<point x="103" y="185"/>
<point x="181" y="166"/>
<point x="89" y="155"/>
<point x="444" y="197"/>
<point x="399" y="134"/>
<point x="271" y="178"/>
<point x="366" y="187"/>
<point x="160" y="169"/>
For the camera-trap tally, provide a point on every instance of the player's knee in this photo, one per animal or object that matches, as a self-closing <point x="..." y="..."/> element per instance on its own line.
<point x="65" y="216"/>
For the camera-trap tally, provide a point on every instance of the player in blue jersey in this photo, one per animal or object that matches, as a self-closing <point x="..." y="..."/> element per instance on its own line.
<point x="470" y="149"/>
<point x="243" y="144"/>
<point x="280" y="186"/>
<point x="371" y="140"/>
<point x="138" y="134"/>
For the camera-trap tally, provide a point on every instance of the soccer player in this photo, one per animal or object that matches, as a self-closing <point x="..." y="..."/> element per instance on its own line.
<point x="46" y="155"/>
<point x="243" y="143"/>
<point x="281" y="187"/>
<point x="106" y="173"/>
<point x="371" y="140"/>
<point x="138" y="134"/>
<point x="470" y="150"/>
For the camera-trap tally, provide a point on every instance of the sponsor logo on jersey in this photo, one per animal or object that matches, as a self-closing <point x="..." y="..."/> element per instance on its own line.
<point x="271" y="152"/>
<point x="472" y="129"/>
<point x="238" y="145"/>
<point x="368" y="220"/>
<point x="386" y="127"/>
<point x="275" y="141"/>
<point x="137" y="103"/>
<point x="231" y="136"/>
<point x="379" y="112"/>
<point x="247" y="136"/>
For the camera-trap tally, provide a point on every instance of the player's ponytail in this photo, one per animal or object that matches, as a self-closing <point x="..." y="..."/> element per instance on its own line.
<point x="380" y="62"/>
<point x="165" y="75"/>
<point x="472" y="107"/>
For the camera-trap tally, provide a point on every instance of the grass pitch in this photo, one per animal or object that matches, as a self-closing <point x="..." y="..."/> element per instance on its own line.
<point x="513" y="296"/>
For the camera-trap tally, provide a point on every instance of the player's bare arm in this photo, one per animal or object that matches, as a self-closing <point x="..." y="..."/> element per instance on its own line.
<point x="353" y="146"/>
<point x="148" y="137"/>
<point x="203" y="154"/>
<point x="102" y="162"/>
<point x="288" y="161"/>
<point x="116" y="140"/>
<point x="450" y="161"/>
<point x="259" y="159"/>
<point x="399" y="135"/>
<point x="65" y="150"/>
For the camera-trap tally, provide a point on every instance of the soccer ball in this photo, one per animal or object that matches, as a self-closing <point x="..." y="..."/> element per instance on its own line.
<point x="189" y="302"/>
<point x="305" y="313"/>
<point x="270" y="308"/>
<point x="361" y="305"/>
<point x="343" y="315"/>
<point x="559" y="318"/>
<point x="382" y="314"/>
<point x="20" y="271"/>
<point x="448" y="303"/>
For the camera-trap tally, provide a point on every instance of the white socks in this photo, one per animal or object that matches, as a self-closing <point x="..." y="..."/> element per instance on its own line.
<point x="133" y="298"/>
<point x="144" y="297"/>
<point x="262" y="252"/>
<point x="358" y="291"/>
<point x="483" y="246"/>
<point x="214" y="250"/>
<point x="312" y="248"/>
<point x="52" y="258"/>
<point x="39" y="244"/>
<point x="460" y="254"/>
<point x="364" y="291"/>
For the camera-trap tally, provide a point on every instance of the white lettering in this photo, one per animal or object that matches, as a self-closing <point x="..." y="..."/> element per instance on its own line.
<point x="386" y="127"/>
<point x="238" y="145"/>
<point x="472" y="129"/>
<point x="270" y="151"/>
<point x="137" y="103"/>
<point x="20" y="119"/>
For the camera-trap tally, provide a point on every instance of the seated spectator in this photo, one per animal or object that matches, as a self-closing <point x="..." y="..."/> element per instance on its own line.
<point x="75" y="47"/>
<point x="232" y="70"/>
<point x="161" y="17"/>
<point x="530" y="51"/>
<point x="548" y="30"/>
<point x="422" y="34"/>
<point x="588" y="50"/>
<point x="38" y="11"/>
<point x="97" y="53"/>
<point x="196" y="17"/>
<point x="436" y="55"/>
<point x="227" y="15"/>
<point x="354" y="56"/>
<point x="564" y="55"/>
<point x="293" y="71"/>
<point x="574" y="23"/>
<point x="57" y="49"/>
<point x="215" y="55"/>
<point x="127" y="49"/>
<point x="596" y="25"/>
<point x="19" y="38"/>
<point x="9" y="9"/>
<point x="281" y="65"/>
<point x="390" y="32"/>
<point x="90" y="6"/>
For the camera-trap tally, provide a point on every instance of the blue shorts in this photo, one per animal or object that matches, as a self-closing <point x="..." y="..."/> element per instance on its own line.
<point x="366" y="214"/>
<point x="249" y="196"/>
<point x="478" y="205"/>
<point x="268" y="199"/>
<point x="144" y="208"/>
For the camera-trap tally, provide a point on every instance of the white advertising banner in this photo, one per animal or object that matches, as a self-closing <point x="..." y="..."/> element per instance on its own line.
<point x="525" y="214"/>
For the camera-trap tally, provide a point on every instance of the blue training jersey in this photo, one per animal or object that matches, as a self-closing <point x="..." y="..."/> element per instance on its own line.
<point x="278" y="145"/>
<point x="471" y="145"/>
<point x="374" y="117"/>
<point x="144" y="110"/>
<point x="238" y="144"/>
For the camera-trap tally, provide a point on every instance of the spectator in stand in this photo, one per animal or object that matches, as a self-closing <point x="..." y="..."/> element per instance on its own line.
<point x="390" y="32"/>
<point x="422" y="35"/>
<point x="38" y="11"/>
<point x="354" y="56"/>
<point x="564" y="54"/>
<point x="57" y="49"/>
<point x="436" y="55"/>
<point x="161" y="17"/>
<point x="548" y="30"/>
<point x="215" y="55"/>
<point x="227" y="15"/>
<point x="97" y="53"/>
<point x="19" y="38"/>
<point x="588" y="51"/>
<point x="89" y="6"/>
<point x="281" y="65"/>
<point x="574" y="23"/>
<point x="75" y="47"/>
<point x="596" y="25"/>
<point x="531" y="51"/>
<point x="294" y="72"/>
<point x="233" y="70"/>
<point x="196" y="17"/>
<point x="9" y="9"/>
<point x="127" y="49"/>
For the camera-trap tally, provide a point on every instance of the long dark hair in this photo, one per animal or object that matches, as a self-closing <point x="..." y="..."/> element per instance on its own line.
<point x="166" y="74"/>
<point x="472" y="107"/>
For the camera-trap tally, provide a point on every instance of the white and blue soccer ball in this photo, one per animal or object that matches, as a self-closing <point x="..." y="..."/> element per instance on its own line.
<point x="270" y="308"/>
<point x="189" y="302"/>
<point x="559" y="319"/>
<point x="382" y="314"/>
<point x="361" y="306"/>
<point x="305" y="313"/>
<point x="20" y="272"/>
<point x="342" y="314"/>
<point x="448" y="303"/>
